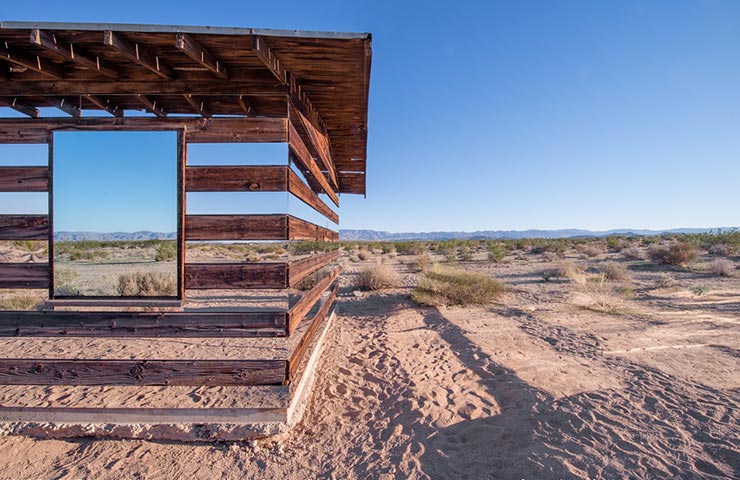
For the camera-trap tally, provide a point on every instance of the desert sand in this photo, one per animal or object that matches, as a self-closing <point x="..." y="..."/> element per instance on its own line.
<point x="533" y="386"/>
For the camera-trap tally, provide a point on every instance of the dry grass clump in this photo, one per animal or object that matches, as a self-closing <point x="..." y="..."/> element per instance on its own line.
<point x="149" y="284"/>
<point x="665" y="281"/>
<point x="447" y="286"/>
<point x="633" y="253"/>
<point x="722" y="267"/>
<point x="613" y="271"/>
<point x="599" y="296"/>
<point x="590" y="250"/>
<point x="420" y="263"/>
<point x="363" y="254"/>
<point x="568" y="270"/>
<point x="21" y="302"/>
<point x="677" y="253"/>
<point x="378" y="277"/>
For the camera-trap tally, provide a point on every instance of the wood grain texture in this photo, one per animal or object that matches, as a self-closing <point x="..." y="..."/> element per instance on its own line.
<point x="309" y="299"/>
<point x="19" y="371"/>
<point x="24" y="275"/>
<point x="24" y="179"/>
<point x="24" y="227"/>
<point x="317" y="142"/>
<point x="299" y="229"/>
<point x="236" y="179"/>
<point x="59" y="46"/>
<point x="236" y="227"/>
<point x="210" y="276"/>
<point x="305" y="161"/>
<point x="303" y="192"/>
<point x="142" y="324"/>
<point x="300" y="269"/>
<point x="295" y="358"/>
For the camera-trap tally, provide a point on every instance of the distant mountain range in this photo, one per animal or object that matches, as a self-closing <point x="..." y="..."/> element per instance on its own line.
<point x="370" y="235"/>
<point x="143" y="235"/>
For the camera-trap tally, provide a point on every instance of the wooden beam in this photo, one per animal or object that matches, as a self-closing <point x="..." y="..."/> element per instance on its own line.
<point x="246" y="106"/>
<point x="24" y="275"/>
<point x="198" y="105"/>
<point x="24" y="179"/>
<point x="68" y="51"/>
<point x="105" y="104"/>
<point x="21" y="107"/>
<point x="236" y="227"/>
<point x="21" y="371"/>
<point x="210" y="276"/>
<point x="299" y="100"/>
<point x="142" y="324"/>
<point x="33" y="62"/>
<point x="300" y="269"/>
<point x="320" y="147"/>
<point x="151" y="106"/>
<point x="197" y="130"/>
<point x="267" y="55"/>
<point x="302" y="156"/>
<point x="303" y="192"/>
<point x="236" y="179"/>
<point x="24" y="227"/>
<point x="137" y="53"/>
<point x="299" y="229"/>
<point x="309" y="299"/>
<point x="65" y="106"/>
<point x="187" y="45"/>
<point x="295" y="358"/>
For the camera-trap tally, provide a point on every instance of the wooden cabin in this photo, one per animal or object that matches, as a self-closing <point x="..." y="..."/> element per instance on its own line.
<point x="103" y="366"/>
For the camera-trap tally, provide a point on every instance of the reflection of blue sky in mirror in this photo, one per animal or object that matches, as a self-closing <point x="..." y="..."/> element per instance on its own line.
<point x="238" y="154"/>
<point x="115" y="181"/>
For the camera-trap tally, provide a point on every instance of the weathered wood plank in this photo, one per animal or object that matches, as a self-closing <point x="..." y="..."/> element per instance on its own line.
<point x="269" y="59"/>
<point x="303" y="192"/>
<point x="24" y="179"/>
<point x="309" y="299"/>
<point x="235" y="179"/>
<point x="105" y="104"/>
<point x="20" y="106"/>
<point x="300" y="269"/>
<point x="182" y="161"/>
<point x="236" y="227"/>
<point x="198" y="130"/>
<point x="299" y="229"/>
<point x="21" y="371"/>
<point x="137" y="53"/>
<point x="33" y="62"/>
<point x="210" y="276"/>
<point x="201" y="55"/>
<point x="318" y="142"/>
<point x="142" y="324"/>
<point x="198" y="105"/>
<point x="151" y="105"/>
<point x="24" y="275"/>
<point x="295" y="358"/>
<point x="65" y="106"/>
<point x="304" y="159"/>
<point x="24" y="227"/>
<point x="69" y="52"/>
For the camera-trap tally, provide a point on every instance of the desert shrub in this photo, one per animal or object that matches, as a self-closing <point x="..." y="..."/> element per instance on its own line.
<point x="146" y="284"/>
<point x="305" y="247"/>
<point x="665" y="280"/>
<point x="166" y="251"/>
<point x="378" y="277"/>
<point x="700" y="290"/>
<point x="410" y="248"/>
<point x="363" y="255"/>
<point x="722" y="267"/>
<point x="21" y="302"/>
<point x="496" y="252"/>
<point x="677" y="253"/>
<point x="599" y="296"/>
<point x="446" y="286"/>
<point x="386" y="248"/>
<point x="556" y="246"/>
<point x="614" y="271"/>
<point x="615" y="244"/>
<point x="590" y="250"/>
<point x="633" y="253"/>
<point x="91" y="255"/>
<point x="719" y="249"/>
<point x="252" y="257"/>
<point x="466" y="253"/>
<point x="568" y="270"/>
<point x="64" y="282"/>
<point x="420" y="263"/>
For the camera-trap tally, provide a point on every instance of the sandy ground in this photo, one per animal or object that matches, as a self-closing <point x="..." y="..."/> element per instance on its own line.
<point x="531" y="387"/>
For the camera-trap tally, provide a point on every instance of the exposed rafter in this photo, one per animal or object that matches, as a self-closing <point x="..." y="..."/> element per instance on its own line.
<point x="137" y="53"/>
<point x="105" y="104"/>
<point x="152" y="106"/>
<point x="67" y="107"/>
<point x="246" y="106"/>
<point x="198" y="105"/>
<point x="20" y="106"/>
<point x="66" y="50"/>
<point x="267" y="55"/>
<point x="33" y="62"/>
<point x="201" y="55"/>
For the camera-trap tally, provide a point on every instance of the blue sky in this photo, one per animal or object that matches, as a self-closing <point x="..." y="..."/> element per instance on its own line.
<point x="514" y="115"/>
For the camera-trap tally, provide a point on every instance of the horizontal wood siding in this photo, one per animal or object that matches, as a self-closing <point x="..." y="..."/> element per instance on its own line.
<point x="299" y="229"/>
<point x="24" y="179"/>
<point x="236" y="179"/>
<point x="300" y="350"/>
<point x="306" y="162"/>
<point x="24" y="275"/>
<point x="309" y="299"/>
<point x="303" y="192"/>
<point x="300" y="269"/>
<point x="19" y="371"/>
<point x="210" y="276"/>
<point x="24" y="227"/>
<point x="236" y="227"/>
<point x="142" y="324"/>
